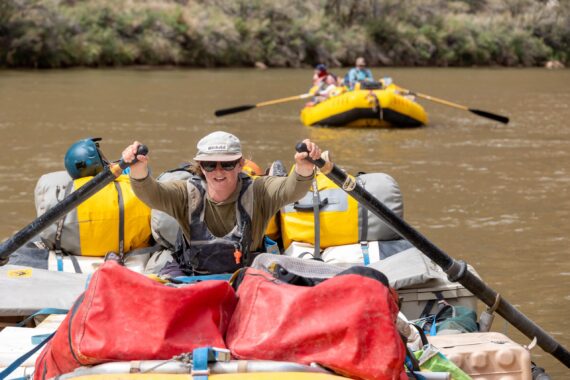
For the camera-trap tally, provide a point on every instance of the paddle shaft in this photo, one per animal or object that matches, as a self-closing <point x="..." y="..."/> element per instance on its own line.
<point x="488" y="115"/>
<point x="456" y="270"/>
<point x="284" y="100"/>
<point x="70" y="202"/>
<point x="441" y="101"/>
<point x="247" y="107"/>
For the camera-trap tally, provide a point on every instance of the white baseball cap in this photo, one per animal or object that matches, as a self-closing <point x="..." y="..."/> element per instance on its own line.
<point x="218" y="146"/>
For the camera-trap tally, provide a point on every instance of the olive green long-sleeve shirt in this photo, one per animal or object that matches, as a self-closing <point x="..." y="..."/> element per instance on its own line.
<point x="269" y="195"/>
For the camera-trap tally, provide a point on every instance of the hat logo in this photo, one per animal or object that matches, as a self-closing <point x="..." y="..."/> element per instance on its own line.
<point x="217" y="147"/>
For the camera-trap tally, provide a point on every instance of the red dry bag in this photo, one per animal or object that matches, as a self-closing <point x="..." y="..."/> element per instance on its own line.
<point x="124" y="316"/>
<point x="346" y="323"/>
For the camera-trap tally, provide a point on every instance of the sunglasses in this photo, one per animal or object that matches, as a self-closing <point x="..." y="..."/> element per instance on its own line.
<point x="210" y="166"/>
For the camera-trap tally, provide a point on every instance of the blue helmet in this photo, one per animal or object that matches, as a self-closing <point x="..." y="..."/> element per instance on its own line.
<point x="84" y="159"/>
<point x="321" y="67"/>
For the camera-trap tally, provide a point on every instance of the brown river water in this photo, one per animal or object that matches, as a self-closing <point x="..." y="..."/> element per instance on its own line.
<point x="494" y="195"/>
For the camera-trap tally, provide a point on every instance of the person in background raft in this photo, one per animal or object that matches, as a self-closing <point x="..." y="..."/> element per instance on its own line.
<point x="358" y="74"/>
<point x="320" y="75"/>
<point x="327" y="88"/>
<point x="222" y="212"/>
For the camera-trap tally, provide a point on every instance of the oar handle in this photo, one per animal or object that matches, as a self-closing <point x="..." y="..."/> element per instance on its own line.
<point x="142" y="150"/>
<point x="70" y="202"/>
<point x="302" y="148"/>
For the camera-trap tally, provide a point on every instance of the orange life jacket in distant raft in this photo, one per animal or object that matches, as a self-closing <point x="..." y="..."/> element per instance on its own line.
<point x="124" y="316"/>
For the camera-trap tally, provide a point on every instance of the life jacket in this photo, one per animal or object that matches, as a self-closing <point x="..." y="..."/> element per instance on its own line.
<point x="165" y="228"/>
<point x="112" y="220"/>
<point x="206" y="253"/>
<point x="327" y="216"/>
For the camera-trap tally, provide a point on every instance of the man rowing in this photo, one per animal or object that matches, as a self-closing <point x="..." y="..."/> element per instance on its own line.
<point x="222" y="212"/>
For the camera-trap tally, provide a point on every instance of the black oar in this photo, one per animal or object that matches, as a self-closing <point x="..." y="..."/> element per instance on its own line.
<point x="456" y="270"/>
<point x="228" y="111"/>
<point x="488" y="115"/>
<point x="73" y="200"/>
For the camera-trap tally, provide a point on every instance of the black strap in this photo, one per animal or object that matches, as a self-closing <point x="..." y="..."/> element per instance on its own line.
<point x="439" y="316"/>
<point x="58" y="232"/>
<point x="246" y="235"/>
<point x="121" y="219"/>
<point x="363" y="211"/>
<point x="377" y="106"/>
<point x="303" y="254"/>
<point x="429" y="304"/>
<point x="299" y="207"/>
<point x="427" y="308"/>
<point x="75" y="263"/>
<point x="59" y="228"/>
<point x="413" y="360"/>
<point x="422" y="333"/>
<point x="73" y="311"/>
<point x="317" y="217"/>
<point x="142" y="251"/>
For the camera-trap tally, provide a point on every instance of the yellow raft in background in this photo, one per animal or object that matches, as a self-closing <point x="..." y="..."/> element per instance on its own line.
<point x="379" y="108"/>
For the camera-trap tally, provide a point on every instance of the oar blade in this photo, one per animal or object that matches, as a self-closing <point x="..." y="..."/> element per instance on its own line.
<point x="229" y="111"/>
<point x="489" y="115"/>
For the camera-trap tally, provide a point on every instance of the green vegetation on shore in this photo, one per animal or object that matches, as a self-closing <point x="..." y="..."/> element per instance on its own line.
<point x="293" y="33"/>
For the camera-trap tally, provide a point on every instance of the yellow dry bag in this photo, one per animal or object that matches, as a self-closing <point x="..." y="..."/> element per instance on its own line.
<point x="339" y="218"/>
<point x="112" y="220"/>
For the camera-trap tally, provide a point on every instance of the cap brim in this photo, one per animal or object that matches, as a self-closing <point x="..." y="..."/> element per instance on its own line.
<point x="217" y="157"/>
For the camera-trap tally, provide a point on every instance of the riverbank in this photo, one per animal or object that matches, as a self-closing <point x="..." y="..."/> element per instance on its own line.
<point x="300" y="33"/>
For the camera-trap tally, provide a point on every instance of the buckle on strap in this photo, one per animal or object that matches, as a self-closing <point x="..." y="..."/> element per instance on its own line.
<point x="365" y="252"/>
<point x="204" y="355"/>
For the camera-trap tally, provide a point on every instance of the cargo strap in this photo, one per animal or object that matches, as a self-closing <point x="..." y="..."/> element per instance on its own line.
<point x="377" y="108"/>
<point x="365" y="252"/>
<point x="316" y="212"/>
<point x="362" y="215"/>
<point x="59" y="253"/>
<point x="16" y="363"/>
<point x="59" y="229"/>
<point x="435" y="318"/>
<point x="142" y="251"/>
<point x="206" y="277"/>
<point x="121" y="218"/>
<point x="204" y="355"/>
<point x="363" y="230"/>
<point x="411" y="362"/>
<point x="429" y="304"/>
<point x="59" y="257"/>
<point x="38" y="340"/>
<point x="45" y="311"/>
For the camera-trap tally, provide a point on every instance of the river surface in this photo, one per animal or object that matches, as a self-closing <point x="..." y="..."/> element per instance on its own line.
<point x="494" y="195"/>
